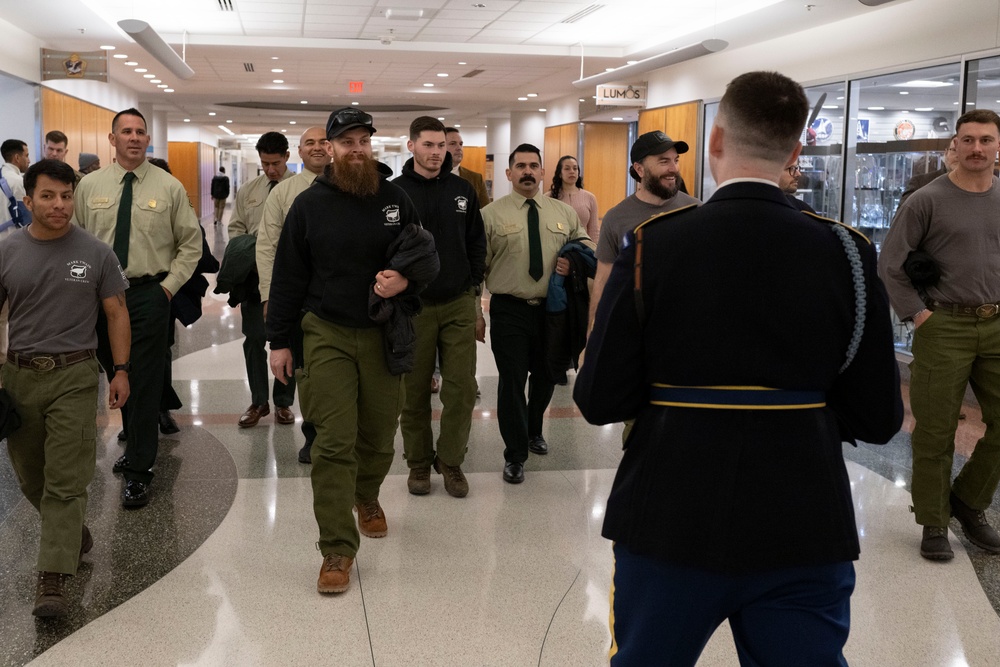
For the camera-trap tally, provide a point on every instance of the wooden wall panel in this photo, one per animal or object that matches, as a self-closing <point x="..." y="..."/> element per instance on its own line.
<point x="183" y="157"/>
<point x="474" y="158"/>
<point x="605" y="156"/>
<point x="203" y="205"/>
<point x="680" y="122"/>
<point x="86" y="125"/>
<point x="559" y="140"/>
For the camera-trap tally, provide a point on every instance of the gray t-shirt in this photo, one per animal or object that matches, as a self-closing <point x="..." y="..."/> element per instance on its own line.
<point x="626" y="216"/>
<point x="960" y="230"/>
<point x="55" y="289"/>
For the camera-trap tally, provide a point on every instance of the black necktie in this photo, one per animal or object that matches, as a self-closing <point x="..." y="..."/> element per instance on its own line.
<point x="123" y="226"/>
<point x="270" y="186"/>
<point x="534" y="241"/>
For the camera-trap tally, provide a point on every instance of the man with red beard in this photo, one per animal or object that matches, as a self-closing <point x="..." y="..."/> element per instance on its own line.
<point x="655" y="160"/>
<point x="332" y="250"/>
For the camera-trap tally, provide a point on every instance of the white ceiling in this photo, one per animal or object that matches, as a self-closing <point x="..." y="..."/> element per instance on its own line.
<point x="520" y="47"/>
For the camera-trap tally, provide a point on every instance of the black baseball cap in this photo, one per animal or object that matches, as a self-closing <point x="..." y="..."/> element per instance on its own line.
<point x="345" y="119"/>
<point x="652" y="143"/>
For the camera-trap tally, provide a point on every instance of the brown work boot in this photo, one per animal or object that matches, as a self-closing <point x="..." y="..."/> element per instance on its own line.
<point x="419" y="481"/>
<point x="371" y="519"/>
<point x="934" y="544"/>
<point x="974" y="525"/>
<point x="335" y="575"/>
<point x="454" y="481"/>
<point x="50" y="595"/>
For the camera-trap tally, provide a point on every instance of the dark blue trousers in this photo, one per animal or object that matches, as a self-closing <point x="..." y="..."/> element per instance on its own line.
<point x="663" y="614"/>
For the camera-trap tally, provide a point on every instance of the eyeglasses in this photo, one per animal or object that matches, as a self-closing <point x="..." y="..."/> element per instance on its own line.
<point x="793" y="170"/>
<point x="351" y="116"/>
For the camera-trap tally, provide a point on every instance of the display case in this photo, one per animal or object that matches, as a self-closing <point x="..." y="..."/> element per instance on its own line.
<point x="820" y="182"/>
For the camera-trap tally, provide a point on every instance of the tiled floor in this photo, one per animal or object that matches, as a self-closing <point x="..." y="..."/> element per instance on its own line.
<point x="220" y="568"/>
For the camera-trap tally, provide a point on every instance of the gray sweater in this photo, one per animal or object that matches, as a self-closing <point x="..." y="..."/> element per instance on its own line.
<point x="960" y="230"/>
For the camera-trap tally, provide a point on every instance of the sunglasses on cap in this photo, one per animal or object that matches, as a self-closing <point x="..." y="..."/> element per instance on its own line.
<point x="352" y="117"/>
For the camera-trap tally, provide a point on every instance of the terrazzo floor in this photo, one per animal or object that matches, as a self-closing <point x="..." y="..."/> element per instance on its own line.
<point x="220" y="568"/>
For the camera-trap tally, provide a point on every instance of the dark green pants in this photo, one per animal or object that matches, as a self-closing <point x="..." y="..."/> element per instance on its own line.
<point x="255" y="353"/>
<point x="517" y="335"/>
<point x="169" y="400"/>
<point x="149" y="316"/>
<point x="346" y="391"/>
<point x="448" y="329"/>
<point x="950" y="352"/>
<point x="53" y="453"/>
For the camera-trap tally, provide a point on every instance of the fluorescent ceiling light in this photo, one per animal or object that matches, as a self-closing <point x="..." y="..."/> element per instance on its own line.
<point x="830" y="106"/>
<point x="149" y="39"/>
<point x="924" y="109"/>
<point x="226" y="130"/>
<point x="876" y="108"/>
<point x="655" y="62"/>
<point x="920" y="83"/>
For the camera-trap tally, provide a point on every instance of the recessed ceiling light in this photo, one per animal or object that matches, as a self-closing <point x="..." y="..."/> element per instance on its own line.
<point x="532" y="94"/>
<point x="106" y="48"/>
<point x="920" y="83"/>
<point x="462" y="63"/>
<point x="440" y="117"/>
<point x="140" y="70"/>
<point x="148" y="76"/>
<point x="278" y="81"/>
<point x="211" y="113"/>
<point x="291" y="122"/>
<point x="924" y="109"/>
<point x="830" y="106"/>
<point x="631" y="62"/>
<point x="841" y="97"/>
<point x="609" y="69"/>
<point x="955" y="103"/>
<point x="155" y="81"/>
<point x="187" y="120"/>
<point x="120" y="55"/>
<point x="304" y="102"/>
<point x="522" y="99"/>
<point x="876" y="108"/>
<point x="229" y="121"/>
<point x="131" y="63"/>
<point x="161" y="85"/>
<point x="457" y="125"/>
<point x="617" y="118"/>
<point x="904" y="92"/>
<point x="582" y="100"/>
<point x="277" y="71"/>
<point x="167" y="90"/>
<point x="274" y="57"/>
<point x="969" y="104"/>
<point x="428" y="85"/>
<point x="442" y="74"/>
<point x="355" y="103"/>
<point x="284" y="130"/>
<point x="543" y="110"/>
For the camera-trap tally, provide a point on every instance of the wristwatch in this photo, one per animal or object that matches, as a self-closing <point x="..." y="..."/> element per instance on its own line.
<point x="127" y="367"/>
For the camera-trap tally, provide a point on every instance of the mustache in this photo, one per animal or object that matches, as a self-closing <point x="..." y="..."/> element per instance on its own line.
<point x="527" y="179"/>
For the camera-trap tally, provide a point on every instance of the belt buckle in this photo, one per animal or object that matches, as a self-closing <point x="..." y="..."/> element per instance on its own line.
<point x="987" y="310"/>
<point x="43" y="364"/>
<point x="533" y="302"/>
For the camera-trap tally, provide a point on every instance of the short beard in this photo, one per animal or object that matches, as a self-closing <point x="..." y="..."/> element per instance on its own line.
<point x="656" y="188"/>
<point x="360" y="179"/>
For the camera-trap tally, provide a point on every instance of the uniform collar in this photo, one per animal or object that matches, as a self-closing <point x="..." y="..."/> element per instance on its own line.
<point x="519" y="199"/>
<point x="140" y="171"/>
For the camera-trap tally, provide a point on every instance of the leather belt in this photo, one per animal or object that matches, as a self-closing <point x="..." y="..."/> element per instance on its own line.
<point x="48" y="362"/>
<point x="983" y="311"/>
<point x="531" y="302"/>
<point x="735" y="398"/>
<point x="142" y="280"/>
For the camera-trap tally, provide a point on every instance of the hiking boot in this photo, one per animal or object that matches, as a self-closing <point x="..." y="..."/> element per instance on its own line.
<point x="974" y="525"/>
<point x="335" y="575"/>
<point x="454" y="481"/>
<point x="371" y="519"/>
<point x="419" y="481"/>
<point x="50" y="595"/>
<point x="934" y="545"/>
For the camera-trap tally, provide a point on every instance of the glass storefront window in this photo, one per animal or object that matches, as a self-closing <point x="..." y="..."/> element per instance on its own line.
<point x="982" y="84"/>
<point x="821" y="160"/>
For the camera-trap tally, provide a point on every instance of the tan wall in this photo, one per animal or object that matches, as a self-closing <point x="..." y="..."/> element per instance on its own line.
<point x="680" y="122"/>
<point x="474" y="158"/>
<point x="605" y="158"/>
<point x="85" y="125"/>
<point x="193" y="164"/>
<point x="559" y="140"/>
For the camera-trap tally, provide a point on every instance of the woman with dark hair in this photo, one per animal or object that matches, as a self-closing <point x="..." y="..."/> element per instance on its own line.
<point x="567" y="187"/>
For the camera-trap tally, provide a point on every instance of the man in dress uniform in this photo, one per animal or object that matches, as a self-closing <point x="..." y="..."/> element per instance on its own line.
<point x="145" y="215"/>
<point x="732" y="500"/>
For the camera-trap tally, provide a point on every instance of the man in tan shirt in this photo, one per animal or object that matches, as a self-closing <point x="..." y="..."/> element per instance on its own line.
<point x="145" y="215"/>
<point x="272" y="149"/>
<point x="454" y="144"/>
<point x="518" y="268"/>
<point x="314" y="149"/>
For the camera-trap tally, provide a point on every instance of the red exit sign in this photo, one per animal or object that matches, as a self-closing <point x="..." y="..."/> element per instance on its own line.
<point x="355" y="87"/>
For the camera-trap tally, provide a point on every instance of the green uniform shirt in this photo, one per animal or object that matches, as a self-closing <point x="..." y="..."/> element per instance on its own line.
<point x="250" y="205"/>
<point x="276" y="209"/>
<point x="506" y="221"/>
<point x="165" y="236"/>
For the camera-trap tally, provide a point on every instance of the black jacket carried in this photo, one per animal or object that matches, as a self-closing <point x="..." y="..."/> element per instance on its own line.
<point x="238" y="273"/>
<point x="332" y="245"/>
<point x="567" y="311"/>
<point x="742" y="292"/>
<point x="414" y="256"/>
<point x="186" y="304"/>
<point x="449" y="209"/>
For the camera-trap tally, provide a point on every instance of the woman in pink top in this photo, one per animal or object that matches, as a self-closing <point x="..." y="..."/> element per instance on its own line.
<point x="567" y="187"/>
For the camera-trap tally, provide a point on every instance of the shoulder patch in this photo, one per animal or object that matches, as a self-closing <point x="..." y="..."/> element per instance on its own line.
<point x="831" y="221"/>
<point x="661" y="216"/>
